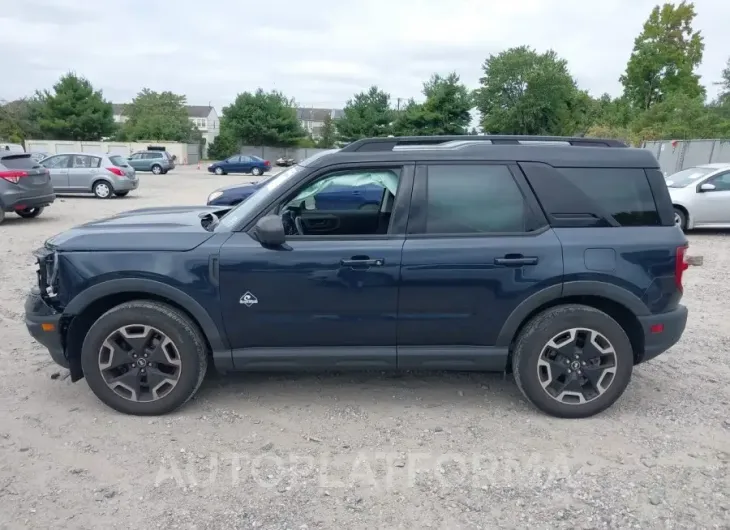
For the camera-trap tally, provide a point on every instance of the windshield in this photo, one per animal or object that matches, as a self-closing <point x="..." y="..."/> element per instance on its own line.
<point x="259" y="197"/>
<point x="687" y="176"/>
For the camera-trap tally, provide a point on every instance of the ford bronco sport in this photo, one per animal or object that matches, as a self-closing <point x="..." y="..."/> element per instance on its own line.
<point x="555" y="259"/>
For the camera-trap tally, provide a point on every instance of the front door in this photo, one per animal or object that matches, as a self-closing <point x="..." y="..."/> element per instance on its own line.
<point x="58" y="168"/>
<point x="713" y="206"/>
<point x="82" y="171"/>
<point x="471" y="255"/>
<point x="329" y="298"/>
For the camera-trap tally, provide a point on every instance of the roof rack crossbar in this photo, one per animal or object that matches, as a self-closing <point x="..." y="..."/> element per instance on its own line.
<point x="388" y="144"/>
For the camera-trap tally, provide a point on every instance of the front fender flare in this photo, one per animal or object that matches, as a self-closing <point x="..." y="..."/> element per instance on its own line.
<point x="608" y="291"/>
<point x="79" y="303"/>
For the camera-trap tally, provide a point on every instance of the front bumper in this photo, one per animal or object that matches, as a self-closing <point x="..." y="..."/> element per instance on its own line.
<point x="44" y="325"/>
<point x="672" y="326"/>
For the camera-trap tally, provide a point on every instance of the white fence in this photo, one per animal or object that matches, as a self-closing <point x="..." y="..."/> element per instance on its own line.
<point x="116" y="148"/>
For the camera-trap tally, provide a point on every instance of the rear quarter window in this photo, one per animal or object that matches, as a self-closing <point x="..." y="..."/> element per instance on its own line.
<point x="118" y="161"/>
<point x="625" y="193"/>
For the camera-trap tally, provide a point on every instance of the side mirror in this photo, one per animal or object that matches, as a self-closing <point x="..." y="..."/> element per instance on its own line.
<point x="269" y="231"/>
<point x="708" y="187"/>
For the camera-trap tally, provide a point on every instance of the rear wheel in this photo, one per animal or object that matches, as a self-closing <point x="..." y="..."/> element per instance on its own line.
<point x="680" y="219"/>
<point x="156" y="169"/>
<point x="572" y="361"/>
<point x="102" y="190"/>
<point x="256" y="172"/>
<point x="144" y="358"/>
<point x="30" y="213"/>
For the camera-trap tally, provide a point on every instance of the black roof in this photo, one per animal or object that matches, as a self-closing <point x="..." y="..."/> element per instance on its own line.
<point x="556" y="151"/>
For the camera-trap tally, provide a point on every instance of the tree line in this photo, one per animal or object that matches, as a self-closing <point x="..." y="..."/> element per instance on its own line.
<point x="521" y="91"/>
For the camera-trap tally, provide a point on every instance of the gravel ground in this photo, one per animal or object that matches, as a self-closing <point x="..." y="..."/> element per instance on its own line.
<point x="365" y="450"/>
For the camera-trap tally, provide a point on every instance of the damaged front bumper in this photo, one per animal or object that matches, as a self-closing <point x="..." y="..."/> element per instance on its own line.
<point x="45" y="325"/>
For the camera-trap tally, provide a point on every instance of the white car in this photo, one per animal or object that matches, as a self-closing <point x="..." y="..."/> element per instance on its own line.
<point x="701" y="196"/>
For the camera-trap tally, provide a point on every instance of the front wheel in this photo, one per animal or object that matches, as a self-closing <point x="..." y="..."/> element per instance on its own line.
<point x="680" y="219"/>
<point x="219" y="171"/>
<point x="144" y="358"/>
<point x="255" y="172"/>
<point x="30" y="213"/>
<point x="572" y="361"/>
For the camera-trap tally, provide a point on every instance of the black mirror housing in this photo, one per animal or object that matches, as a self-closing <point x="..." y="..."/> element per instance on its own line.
<point x="269" y="231"/>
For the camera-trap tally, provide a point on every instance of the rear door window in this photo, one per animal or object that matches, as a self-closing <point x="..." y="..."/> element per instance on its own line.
<point x="623" y="192"/>
<point x="473" y="199"/>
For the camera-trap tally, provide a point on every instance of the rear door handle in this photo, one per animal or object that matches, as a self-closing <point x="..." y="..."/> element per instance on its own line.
<point x="362" y="262"/>
<point x="516" y="261"/>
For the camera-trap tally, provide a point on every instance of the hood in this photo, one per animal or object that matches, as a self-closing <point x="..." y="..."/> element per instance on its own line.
<point x="173" y="228"/>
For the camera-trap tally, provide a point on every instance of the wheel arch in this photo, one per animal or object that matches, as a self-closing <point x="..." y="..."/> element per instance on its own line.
<point x="620" y="304"/>
<point x="92" y="303"/>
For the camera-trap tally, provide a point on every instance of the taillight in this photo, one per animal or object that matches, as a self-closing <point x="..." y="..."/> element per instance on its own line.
<point x="680" y="266"/>
<point x="267" y="162"/>
<point x="13" y="176"/>
<point x="116" y="171"/>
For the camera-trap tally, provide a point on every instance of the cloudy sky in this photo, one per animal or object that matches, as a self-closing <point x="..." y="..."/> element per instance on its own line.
<point x="318" y="51"/>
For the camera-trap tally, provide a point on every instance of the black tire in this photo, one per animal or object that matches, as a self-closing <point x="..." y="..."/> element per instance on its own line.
<point x="680" y="219"/>
<point x="219" y="171"/>
<point x="2" y="215"/>
<point x="30" y="213"/>
<point x="156" y="169"/>
<point x="536" y="335"/>
<point x="185" y="335"/>
<point x="256" y="172"/>
<point x="99" y="187"/>
<point x="121" y="193"/>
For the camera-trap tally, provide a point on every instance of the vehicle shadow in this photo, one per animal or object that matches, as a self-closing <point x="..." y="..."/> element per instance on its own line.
<point x="409" y="388"/>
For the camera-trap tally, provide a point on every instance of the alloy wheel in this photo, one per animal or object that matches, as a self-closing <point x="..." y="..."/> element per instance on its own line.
<point x="140" y="363"/>
<point x="677" y="220"/>
<point x="577" y="366"/>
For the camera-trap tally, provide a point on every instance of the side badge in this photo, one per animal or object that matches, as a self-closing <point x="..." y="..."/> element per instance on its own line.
<point x="248" y="299"/>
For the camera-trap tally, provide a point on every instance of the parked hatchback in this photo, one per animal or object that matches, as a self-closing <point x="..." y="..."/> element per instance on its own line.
<point x="158" y="162"/>
<point x="701" y="196"/>
<point x="105" y="176"/>
<point x="240" y="164"/>
<point x="25" y="186"/>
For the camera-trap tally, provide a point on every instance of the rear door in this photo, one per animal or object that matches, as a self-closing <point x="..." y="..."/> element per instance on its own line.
<point x="58" y="167"/>
<point x="82" y="171"/>
<point x="476" y="247"/>
<point x="713" y="206"/>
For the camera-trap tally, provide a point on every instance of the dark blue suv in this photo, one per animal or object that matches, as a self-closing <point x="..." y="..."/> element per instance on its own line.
<point x="555" y="259"/>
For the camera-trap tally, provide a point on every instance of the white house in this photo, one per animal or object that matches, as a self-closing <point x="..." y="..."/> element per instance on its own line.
<point x="312" y="119"/>
<point x="204" y="117"/>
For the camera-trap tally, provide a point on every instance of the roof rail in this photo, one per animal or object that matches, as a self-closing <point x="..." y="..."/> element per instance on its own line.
<point x="391" y="143"/>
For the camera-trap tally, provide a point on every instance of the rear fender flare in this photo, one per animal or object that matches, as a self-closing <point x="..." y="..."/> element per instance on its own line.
<point x="555" y="292"/>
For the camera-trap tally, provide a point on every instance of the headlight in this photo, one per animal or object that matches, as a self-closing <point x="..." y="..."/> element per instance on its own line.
<point x="213" y="196"/>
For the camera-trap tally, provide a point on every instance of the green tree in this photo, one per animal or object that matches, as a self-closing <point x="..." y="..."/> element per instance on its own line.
<point x="367" y="114"/>
<point x="664" y="57"/>
<point x="263" y="118"/>
<point x="158" y="116"/>
<point x="680" y="116"/>
<point x="525" y="92"/>
<point x="445" y="110"/>
<point x="74" y="111"/>
<point x="724" y="84"/>
<point x="19" y="120"/>
<point x="328" y="133"/>
<point x="223" y="146"/>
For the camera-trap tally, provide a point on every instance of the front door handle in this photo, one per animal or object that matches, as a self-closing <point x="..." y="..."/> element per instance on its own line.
<point x="516" y="260"/>
<point x="358" y="261"/>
